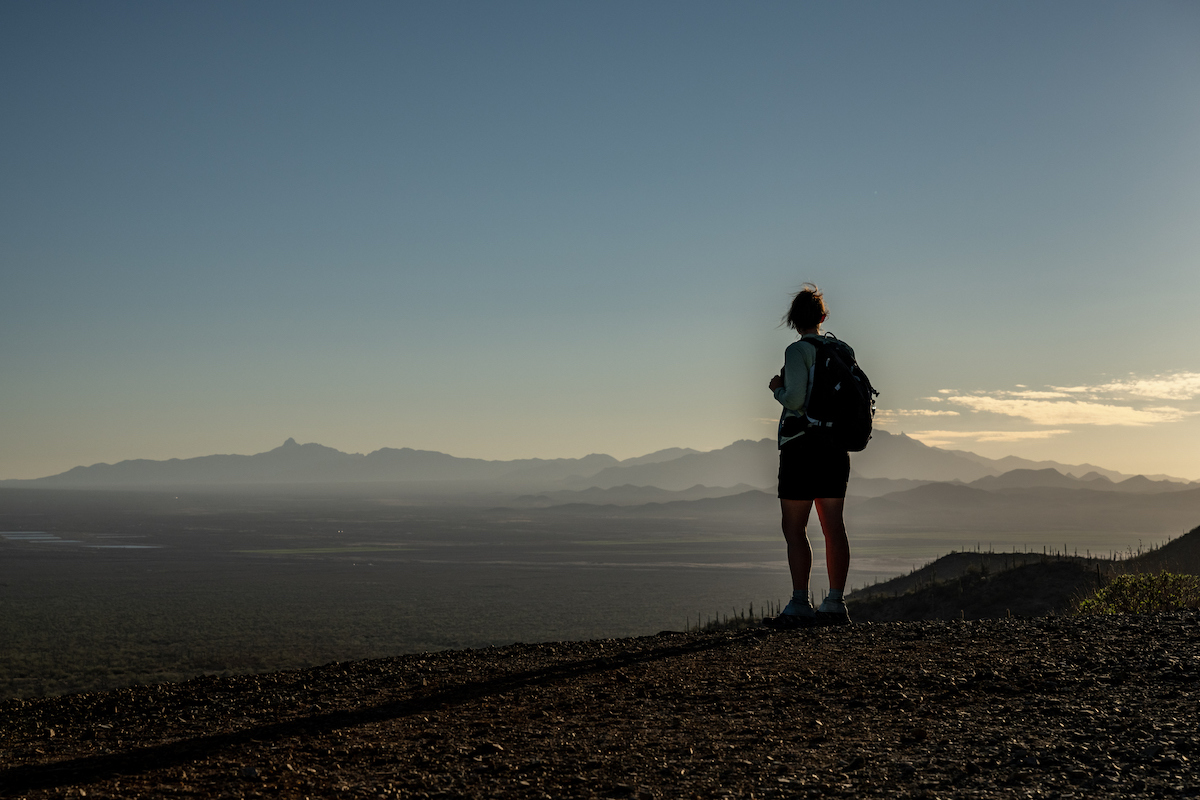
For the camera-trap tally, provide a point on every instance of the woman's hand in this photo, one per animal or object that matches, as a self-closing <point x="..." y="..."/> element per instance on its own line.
<point x="775" y="383"/>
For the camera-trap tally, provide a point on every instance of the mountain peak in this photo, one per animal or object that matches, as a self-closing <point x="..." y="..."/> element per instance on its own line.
<point x="290" y="442"/>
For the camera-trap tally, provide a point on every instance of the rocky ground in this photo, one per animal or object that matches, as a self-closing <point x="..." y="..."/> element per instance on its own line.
<point x="1048" y="707"/>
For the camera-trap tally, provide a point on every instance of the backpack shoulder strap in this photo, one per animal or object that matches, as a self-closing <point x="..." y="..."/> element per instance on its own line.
<point x="829" y="340"/>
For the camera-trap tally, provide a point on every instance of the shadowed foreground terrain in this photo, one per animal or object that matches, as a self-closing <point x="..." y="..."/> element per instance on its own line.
<point x="1048" y="707"/>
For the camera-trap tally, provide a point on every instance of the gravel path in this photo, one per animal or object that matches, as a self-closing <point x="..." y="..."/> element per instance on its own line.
<point x="1050" y="707"/>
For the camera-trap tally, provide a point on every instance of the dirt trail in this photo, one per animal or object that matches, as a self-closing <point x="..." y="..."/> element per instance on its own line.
<point x="1051" y="707"/>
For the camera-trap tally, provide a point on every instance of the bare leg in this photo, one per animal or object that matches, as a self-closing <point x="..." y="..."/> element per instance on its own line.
<point x="799" y="551"/>
<point x="837" y="546"/>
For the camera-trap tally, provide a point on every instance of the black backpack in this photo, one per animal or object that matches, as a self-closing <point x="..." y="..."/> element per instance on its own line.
<point x="841" y="403"/>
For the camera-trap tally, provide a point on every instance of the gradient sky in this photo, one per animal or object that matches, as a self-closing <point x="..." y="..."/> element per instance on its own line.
<point x="519" y="229"/>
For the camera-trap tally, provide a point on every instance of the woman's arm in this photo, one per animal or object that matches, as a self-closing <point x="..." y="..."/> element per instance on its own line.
<point x="792" y="389"/>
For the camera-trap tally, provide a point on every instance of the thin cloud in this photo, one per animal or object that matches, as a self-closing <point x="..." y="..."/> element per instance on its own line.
<point x="1120" y="402"/>
<point x="1176" y="386"/>
<point x="893" y="416"/>
<point x="1035" y="395"/>
<point x="925" y="412"/>
<point x="1056" y="410"/>
<point x="986" y="436"/>
<point x="1067" y="412"/>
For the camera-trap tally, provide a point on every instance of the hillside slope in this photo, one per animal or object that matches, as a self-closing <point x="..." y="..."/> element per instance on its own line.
<point x="990" y="585"/>
<point x="1178" y="555"/>
<point x="1046" y="586"/>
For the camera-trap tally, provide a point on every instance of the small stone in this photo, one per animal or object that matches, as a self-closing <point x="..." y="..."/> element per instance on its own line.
<point x="487" y="749"/>
<point x="857" y="762"/>
<point x="1149" y="752"/>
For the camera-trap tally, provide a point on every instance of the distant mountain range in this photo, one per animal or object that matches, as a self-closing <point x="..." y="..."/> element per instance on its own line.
<point x="627" y="495"/>
<point x="891" y="462"/>
<point x="959" y="507"/>
<point x="1048" y="477"/>
<point x="292" y="463"/>
<point x="941" y="508"/>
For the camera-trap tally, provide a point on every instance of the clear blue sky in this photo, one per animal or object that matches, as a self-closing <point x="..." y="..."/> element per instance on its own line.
<point x="524" y="229"/>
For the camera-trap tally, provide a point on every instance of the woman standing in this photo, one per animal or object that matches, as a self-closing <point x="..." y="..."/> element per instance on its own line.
<point x="812" y="471"/>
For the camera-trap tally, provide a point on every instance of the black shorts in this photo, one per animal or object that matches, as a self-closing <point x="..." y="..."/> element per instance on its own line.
<point x="811" y="467"/>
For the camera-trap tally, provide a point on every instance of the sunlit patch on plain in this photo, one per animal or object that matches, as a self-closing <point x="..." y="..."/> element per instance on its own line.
<point x="124" y="546"/>
<point x="38" y="537"/>
<point x="291" y="551"/>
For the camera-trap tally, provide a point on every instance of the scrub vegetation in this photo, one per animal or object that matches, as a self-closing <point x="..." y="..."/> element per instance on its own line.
<point x="1144" y="594"/>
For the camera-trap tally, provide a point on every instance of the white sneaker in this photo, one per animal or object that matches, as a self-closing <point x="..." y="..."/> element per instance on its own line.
<point x="833" y="612"/>
<point x="799" y="608"/>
